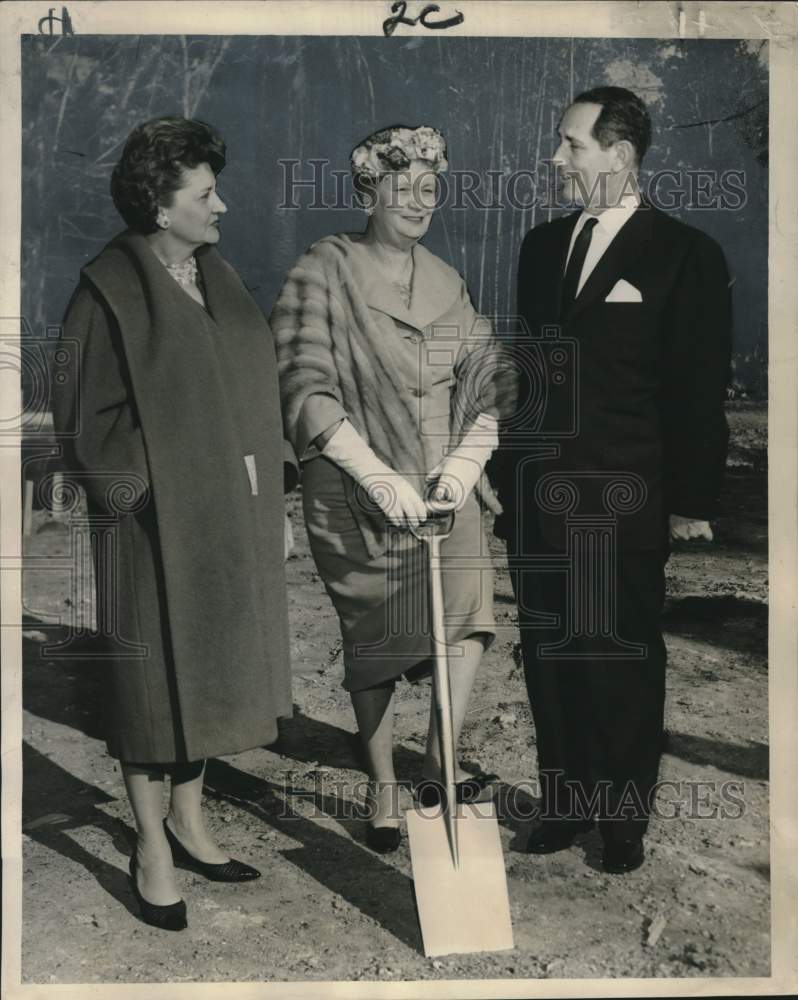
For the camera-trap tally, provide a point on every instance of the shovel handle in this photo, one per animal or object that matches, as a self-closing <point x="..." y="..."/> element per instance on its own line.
<point x="439" y="524"/>
<point x="442" y="694"/>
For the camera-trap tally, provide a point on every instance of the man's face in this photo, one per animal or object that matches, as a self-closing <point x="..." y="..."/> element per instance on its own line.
<point x="580" y="161"/>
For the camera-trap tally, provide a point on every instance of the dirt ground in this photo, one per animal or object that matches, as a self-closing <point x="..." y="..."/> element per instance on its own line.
<point x="327" y="908"/>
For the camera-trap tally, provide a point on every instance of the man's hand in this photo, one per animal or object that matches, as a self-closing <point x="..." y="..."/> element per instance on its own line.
<point x="684" y="528"/>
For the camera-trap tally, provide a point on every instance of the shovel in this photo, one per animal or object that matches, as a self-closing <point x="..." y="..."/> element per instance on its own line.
<point x="455" y="849"/>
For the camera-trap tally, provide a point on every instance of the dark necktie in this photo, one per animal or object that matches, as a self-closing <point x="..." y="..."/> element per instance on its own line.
<point x="576" y="262"/>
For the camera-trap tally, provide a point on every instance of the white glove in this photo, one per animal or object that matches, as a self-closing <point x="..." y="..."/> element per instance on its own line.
<point x="685" y="528"/>
<point x="458" y="473"/>
<point x="392" y="493"/>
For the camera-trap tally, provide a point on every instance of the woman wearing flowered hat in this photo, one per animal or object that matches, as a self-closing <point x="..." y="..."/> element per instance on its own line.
<point x="385" y="379"/>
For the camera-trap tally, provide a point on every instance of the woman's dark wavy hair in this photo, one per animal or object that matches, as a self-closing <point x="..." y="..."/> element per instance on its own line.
<point x="149" y="171"/>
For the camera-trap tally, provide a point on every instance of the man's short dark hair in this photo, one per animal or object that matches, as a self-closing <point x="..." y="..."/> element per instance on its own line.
<point x="623" y="115"/>
<point x="149" y="171"/>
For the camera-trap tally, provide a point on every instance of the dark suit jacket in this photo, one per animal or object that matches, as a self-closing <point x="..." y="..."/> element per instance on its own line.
<point x="633" y="388"/>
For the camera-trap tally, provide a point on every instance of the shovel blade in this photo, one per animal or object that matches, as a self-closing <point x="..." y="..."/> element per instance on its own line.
<point x="463" y="909"/>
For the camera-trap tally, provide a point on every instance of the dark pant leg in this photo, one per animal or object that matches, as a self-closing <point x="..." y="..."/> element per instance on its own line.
<point x="629" y="698"/>
<point x="598" y="717"/>
<point x="558" y="694"/>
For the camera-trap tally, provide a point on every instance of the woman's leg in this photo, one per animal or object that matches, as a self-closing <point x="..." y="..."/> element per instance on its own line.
<point x="374" y="710"/>
<point x="185" y="817"/>
<point x="155" y="874"/>
<point x="462" y="671"/>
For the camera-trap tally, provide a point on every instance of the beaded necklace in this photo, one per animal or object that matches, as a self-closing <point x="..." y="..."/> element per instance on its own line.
<point x="185" y="273"/>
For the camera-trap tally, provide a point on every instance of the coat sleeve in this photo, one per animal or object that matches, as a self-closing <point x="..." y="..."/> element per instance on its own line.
<point x="482" y="385"/>
<point x="104" y="446"/>
<point x="483" y="371"/>
<point x="525" y="299"/>
<point x="302" y="320"/>
<point x="502" y="466"/>
<point x="320" y="416"/>
<point x="696" y="372"/>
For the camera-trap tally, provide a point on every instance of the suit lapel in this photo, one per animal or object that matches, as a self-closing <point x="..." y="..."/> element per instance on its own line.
<point x="559" y="256"/>
<point x="230" y="304"/>
<point x="623" y="250"/>
<point x="435" y="285"/>
<point x="210" y="267"/>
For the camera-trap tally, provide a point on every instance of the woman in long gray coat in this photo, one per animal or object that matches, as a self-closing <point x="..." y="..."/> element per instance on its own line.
<point x="180" y="449"/>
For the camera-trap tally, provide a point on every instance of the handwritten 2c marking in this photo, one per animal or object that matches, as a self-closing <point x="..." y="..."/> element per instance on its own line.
<point x="399" y="9"/>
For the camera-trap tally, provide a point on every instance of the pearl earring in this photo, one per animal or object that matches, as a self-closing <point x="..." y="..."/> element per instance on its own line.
<point x="163" y="221"/>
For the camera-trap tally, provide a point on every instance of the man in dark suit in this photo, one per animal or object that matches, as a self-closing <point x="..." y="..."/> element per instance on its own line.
<point x="620" y="448"/>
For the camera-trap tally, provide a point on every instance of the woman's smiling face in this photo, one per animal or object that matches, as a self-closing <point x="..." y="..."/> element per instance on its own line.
<point x="405" y="203"/>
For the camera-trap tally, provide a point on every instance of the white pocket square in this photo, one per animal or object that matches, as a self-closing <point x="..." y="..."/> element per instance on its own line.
<point x="624" y="292"/>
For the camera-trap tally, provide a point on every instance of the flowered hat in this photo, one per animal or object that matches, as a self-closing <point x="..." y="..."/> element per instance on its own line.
<point x="395" y="148"/>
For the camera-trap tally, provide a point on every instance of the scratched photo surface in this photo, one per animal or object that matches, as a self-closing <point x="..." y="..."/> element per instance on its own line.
<point x="327" y="908"/>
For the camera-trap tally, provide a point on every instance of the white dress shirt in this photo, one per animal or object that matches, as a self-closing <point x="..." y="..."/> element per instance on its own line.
<point x="609" y="225"/>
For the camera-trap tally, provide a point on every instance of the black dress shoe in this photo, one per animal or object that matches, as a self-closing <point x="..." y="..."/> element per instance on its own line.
<point x="227" y="871"/>
<point x="383" y="839"/>
<point x="171" y="917"/>
<point x="430" y="793"/>
<point x="623" y="856"/>
<point x="556" y="835"/>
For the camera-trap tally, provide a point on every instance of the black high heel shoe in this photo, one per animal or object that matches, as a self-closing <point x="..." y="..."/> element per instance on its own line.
<point x="227" y="871"/>
<point x="474" y="789"/>
<point x="383" y="839"/>
<point x="171" y="917"/>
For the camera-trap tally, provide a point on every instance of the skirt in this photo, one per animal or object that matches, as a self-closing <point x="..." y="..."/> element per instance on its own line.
<point x="383" y="603"/>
